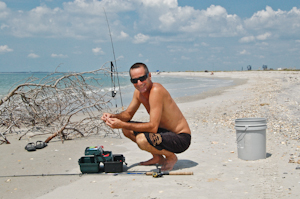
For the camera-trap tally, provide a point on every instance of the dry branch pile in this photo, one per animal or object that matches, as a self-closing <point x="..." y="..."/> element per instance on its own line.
<point x="50" y="106"/>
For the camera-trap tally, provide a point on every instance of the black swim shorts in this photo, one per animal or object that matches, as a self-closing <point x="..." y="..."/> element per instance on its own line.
<point x="164" y="139"/>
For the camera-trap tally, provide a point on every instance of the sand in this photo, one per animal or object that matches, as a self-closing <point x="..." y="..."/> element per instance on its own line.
<point x="212" y="156"/>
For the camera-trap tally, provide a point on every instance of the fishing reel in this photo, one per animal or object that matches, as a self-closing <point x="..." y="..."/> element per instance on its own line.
<point x="113" y="93"/>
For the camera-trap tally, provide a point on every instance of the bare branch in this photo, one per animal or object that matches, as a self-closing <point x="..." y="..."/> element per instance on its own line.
<point x="54" y="103"/>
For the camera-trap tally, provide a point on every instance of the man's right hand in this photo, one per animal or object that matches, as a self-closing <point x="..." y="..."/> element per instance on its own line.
<point x="105" y="116"/>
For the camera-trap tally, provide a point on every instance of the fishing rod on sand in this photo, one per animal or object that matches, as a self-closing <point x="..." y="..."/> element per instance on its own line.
<point x="147" y="173"/>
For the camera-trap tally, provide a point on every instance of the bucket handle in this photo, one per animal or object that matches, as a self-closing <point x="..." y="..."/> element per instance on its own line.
<point x="243" y="134"/>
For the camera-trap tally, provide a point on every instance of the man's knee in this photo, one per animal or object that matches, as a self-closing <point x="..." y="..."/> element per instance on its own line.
<point x="127" y="133"/>
<point x="142" y="141"/>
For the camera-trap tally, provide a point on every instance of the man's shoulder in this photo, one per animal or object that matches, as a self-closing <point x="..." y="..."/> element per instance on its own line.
<point x="157" y="87"/>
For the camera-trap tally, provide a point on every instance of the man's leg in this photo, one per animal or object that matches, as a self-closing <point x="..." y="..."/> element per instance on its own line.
<point x="168" y="162"/>
<point x="129" y="134"/>
<point x="156" y="158"/>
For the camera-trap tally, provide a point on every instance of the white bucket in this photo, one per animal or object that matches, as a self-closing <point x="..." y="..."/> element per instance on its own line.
<point x="251" y="138"/>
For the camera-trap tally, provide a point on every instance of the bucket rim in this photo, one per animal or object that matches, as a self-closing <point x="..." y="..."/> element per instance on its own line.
<point x="254" y="125"/>
<point x="251" y="119"/>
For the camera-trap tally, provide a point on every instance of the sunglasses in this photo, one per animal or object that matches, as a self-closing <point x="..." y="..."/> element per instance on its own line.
<point x="143" y="78"/>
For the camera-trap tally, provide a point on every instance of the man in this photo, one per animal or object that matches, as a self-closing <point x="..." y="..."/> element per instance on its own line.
<point x="166" y="133"/>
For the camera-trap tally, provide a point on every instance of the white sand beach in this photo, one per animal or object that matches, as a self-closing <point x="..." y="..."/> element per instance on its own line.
<point x="212" y="156"/>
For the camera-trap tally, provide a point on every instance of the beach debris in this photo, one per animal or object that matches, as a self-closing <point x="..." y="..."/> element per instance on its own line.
<point x="52" y="104"/>
<point x="264" y="104"/>
<point x="213" y="142"/>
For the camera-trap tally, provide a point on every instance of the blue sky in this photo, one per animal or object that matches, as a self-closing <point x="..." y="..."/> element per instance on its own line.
<point x="167" y="35"/>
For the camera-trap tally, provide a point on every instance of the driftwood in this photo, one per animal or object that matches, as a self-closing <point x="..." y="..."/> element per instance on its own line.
<point x="50" y="106"/>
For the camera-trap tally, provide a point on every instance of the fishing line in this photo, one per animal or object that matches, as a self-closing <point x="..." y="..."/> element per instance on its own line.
<point x="113" y="49"/>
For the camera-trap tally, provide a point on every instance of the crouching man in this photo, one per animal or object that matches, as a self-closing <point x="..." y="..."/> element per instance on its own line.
<point x="166" y="133"/>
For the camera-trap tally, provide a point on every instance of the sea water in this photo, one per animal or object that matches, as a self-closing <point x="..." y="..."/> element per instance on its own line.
<point x="178" y="86"/>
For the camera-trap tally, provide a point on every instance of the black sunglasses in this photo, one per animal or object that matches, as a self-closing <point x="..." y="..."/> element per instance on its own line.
<point x="143" y="78"/>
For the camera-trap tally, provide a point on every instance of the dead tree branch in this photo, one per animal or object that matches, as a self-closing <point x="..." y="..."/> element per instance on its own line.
<point x="68" y="104"/>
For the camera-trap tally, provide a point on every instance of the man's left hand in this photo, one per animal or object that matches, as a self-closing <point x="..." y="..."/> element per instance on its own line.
<point x="114" y="123"/>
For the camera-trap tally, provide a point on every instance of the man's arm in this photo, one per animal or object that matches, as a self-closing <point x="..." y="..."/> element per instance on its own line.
<point x="156" y="107"/>
<point x="126" y="115"/>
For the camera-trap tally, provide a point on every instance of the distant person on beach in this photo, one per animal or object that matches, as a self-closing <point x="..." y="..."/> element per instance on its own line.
<point x="166" y="133"/>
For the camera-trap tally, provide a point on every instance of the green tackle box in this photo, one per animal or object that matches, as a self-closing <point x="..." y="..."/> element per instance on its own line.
<point x="88" y="164"/>
<point x="93" y="150"/>
<point x="105" y="157"/>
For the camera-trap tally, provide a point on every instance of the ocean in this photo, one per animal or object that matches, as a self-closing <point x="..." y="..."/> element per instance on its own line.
<point x="178" y="86"/>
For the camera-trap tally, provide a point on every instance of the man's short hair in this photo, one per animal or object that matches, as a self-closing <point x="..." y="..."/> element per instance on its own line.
<point x="137" y="65"/>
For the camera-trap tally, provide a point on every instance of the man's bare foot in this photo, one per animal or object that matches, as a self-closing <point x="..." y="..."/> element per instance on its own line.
<point x="169" y="163"/>
<point x="157" y="159"/>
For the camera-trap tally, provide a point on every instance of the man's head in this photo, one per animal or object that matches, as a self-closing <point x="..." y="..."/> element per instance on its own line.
<point x="138" y="65"/>
<point x="140" y="77"/>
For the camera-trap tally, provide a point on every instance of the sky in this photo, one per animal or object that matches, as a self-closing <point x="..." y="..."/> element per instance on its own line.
<point x="166" y="35"/>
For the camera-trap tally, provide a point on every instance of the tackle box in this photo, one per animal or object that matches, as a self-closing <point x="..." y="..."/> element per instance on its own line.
<point x="105" y="157"/>
<point x="88" y="164"/>
<point x="115" y="166"/>
<point x="93" y="150"/>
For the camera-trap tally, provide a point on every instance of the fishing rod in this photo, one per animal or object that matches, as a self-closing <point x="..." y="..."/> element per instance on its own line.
<point x="147" y="173"/>
<point x="113" y="49"/>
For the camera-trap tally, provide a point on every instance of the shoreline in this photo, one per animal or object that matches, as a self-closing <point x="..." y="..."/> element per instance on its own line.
<point x="212" y="155"/>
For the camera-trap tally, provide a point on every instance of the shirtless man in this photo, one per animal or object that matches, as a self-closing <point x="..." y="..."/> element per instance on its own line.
<point x="166" y="133"/>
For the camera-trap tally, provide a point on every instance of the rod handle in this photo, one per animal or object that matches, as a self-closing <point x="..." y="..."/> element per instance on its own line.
<point x="172" y="173"/>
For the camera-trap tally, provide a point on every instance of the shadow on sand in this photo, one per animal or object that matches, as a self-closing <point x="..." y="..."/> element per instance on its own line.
<point x="180" y="164"/>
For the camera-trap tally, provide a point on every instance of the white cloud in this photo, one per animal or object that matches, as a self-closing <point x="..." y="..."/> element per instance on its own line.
<point x="33" y="55"/>
<point x="98" y="51"/>
<point x="264" y="36"/>
<point x="58" y="55"/>
<point x="244" y="52"/>
<point x="3" y="26"/>
<point x="2" y="5"/>
<point x="120" y="57"/>
<point x="85" y="19"/>
<point x="214" y="21"/>
<point x="280" y="22"/>
<point x="140" y="38"/>
<point x="140" y="55"/>
<point x="123" y="35"/>
<point x="247" y="39"/>
<point x="4" y="12"/>
<point x="5" y="49"/>
<point x="157" y="3"/>
<point x="185" y="58"/>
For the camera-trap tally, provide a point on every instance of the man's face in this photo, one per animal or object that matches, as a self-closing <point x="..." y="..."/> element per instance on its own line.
<point x="141" y="86"/>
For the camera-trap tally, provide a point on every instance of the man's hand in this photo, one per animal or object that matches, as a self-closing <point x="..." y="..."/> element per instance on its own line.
<point x="114" y="123"/>
<point x="105" y="116"/>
